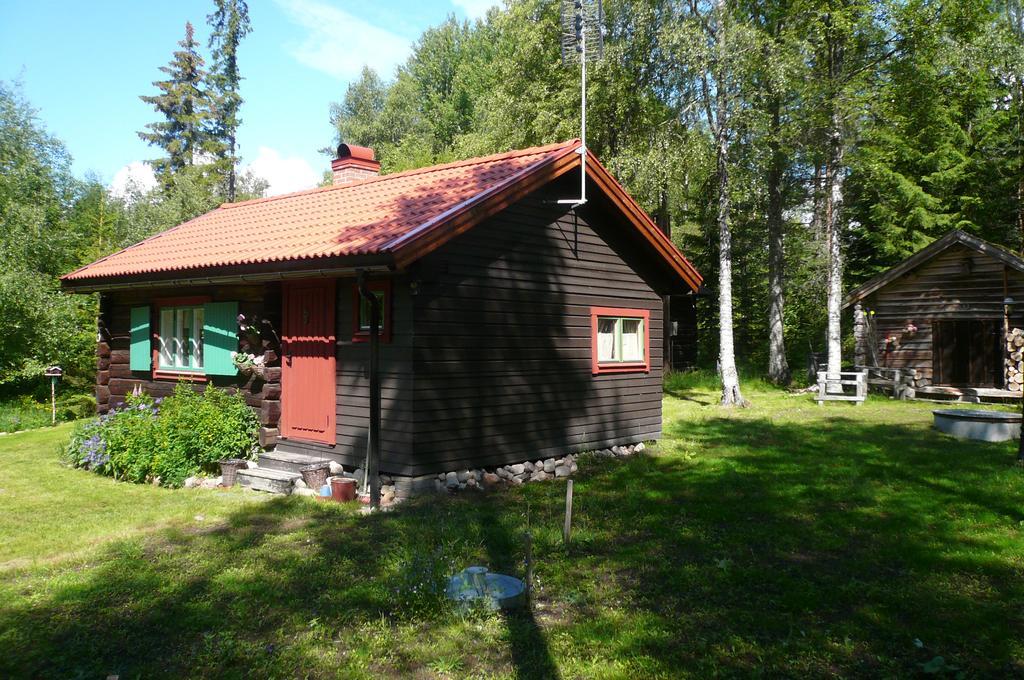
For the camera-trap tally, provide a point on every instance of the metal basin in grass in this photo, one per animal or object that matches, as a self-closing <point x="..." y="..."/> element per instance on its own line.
<point x="986" y="426"/>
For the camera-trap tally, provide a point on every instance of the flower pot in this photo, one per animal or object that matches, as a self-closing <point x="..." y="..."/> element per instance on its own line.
<point x="229" y="468"/>
<point x="315" y="475"/>
<point x="343" y="489"/>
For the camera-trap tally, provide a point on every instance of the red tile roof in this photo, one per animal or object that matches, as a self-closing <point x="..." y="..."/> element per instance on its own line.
<point x="380" y="215"/>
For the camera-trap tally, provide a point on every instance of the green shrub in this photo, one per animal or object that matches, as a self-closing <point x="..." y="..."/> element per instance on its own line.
<point x="23" y="413"/>
<point x="76" y="407"/>
<point x="172" y="439"/>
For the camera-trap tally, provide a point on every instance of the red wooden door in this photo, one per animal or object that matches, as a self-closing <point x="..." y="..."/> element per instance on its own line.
<point x="307" y="369"/>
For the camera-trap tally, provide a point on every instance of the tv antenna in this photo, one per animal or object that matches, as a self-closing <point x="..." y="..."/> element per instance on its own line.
<point x="582" y="41"/>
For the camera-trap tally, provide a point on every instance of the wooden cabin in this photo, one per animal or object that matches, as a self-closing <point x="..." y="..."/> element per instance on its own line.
<point x="946" y="312"/>
<point x="514" y="326"/>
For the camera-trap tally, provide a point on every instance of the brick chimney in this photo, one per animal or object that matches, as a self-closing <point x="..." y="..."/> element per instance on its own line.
<point x="353" y="164"/>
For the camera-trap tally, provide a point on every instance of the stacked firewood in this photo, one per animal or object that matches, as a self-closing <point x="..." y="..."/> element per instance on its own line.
<point x="1015" y="360"/>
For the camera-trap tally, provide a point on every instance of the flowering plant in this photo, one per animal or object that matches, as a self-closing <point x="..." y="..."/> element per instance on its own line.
<point x="167" y="439"/>
<point x="247" y="363"/>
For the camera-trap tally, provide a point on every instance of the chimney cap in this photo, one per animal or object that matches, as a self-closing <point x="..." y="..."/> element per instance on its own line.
<point x="362" y="153"/>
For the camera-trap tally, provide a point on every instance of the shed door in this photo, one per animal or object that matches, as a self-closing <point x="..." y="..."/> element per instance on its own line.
<point x="967" y="352"/>
<point x="307" y="374"/>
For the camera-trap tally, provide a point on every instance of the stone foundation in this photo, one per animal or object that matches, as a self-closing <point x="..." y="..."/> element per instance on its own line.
<point x="395" y="488"/>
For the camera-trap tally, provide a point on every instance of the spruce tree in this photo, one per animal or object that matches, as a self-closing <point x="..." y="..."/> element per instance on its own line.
<point x="184" y="134"/>
<point x="230" y="23"/>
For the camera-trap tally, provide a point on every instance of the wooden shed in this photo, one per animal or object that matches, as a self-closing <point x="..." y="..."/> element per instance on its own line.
<point x="514" y="327"/>
<point x="949" y="313"/>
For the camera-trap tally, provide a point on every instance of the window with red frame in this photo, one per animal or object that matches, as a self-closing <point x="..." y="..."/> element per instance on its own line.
<point x="361" y="312"/>
<point x="619" y="340"/>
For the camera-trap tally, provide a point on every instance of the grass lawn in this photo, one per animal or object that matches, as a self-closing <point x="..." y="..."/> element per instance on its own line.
<point x="779" y="540"/>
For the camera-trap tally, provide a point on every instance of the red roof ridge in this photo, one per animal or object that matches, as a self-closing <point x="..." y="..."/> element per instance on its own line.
<point x="493" y="158"/>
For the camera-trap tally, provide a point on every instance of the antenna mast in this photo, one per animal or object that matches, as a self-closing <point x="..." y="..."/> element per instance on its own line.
<point x="582" y="39"/>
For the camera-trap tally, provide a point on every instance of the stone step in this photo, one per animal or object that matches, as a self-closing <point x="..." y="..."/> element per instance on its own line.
<point x="287" y="461"/>
<point x="263" y="479"/>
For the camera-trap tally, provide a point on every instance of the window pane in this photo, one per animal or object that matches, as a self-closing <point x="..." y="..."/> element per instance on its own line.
<point x="166" y="337"/>
<point x="606" y="339"/>
<point x="197" y="343"/>
<point x="186" y="337"/>
<point x="632" y="340"/>
<point x="364" y="311"/>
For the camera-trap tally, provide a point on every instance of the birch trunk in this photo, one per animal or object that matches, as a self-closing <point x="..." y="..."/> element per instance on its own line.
<point x="834" y="179"/>
<point x="778" y="367"/>
<point x="731" y="394"/>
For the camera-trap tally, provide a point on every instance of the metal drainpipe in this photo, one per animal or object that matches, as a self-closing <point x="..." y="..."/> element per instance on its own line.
<point x="373" y="445"/>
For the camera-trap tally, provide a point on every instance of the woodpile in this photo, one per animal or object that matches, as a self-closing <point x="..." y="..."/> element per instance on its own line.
<point x="1014" y="360"/>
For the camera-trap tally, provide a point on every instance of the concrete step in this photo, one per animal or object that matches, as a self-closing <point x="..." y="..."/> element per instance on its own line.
<point x="263" y="479"/>
<point x="287" y="461"/>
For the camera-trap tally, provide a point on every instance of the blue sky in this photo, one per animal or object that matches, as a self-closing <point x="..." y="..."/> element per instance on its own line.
<point x="84" y="65"/>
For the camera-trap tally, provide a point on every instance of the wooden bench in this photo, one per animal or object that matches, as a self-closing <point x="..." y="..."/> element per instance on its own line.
<point x="855" y="379"/>
<point x="899" y="382"/>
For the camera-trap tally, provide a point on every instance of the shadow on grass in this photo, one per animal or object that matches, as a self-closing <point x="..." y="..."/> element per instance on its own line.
<point x="785" y="549"/>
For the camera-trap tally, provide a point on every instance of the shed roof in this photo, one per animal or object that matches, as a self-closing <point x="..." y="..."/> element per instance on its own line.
<point x="932" y="250"/>
<point x="402" y="216"/>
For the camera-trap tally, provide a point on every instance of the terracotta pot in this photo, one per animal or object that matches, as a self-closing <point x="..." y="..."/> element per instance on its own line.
<point x="343" y="489"/>
<point x="229" y="468"/>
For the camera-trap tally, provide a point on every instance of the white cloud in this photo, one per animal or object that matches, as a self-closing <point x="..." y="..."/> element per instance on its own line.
<point x="283" y="174"/>
<point x="136" y="177"/>
<point x="339" y="43"/>
<point x="475" y="9"/>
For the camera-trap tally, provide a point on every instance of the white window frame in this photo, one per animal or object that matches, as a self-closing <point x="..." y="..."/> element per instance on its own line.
<point x="180" y="351"/>
<point x="617" y="354"/>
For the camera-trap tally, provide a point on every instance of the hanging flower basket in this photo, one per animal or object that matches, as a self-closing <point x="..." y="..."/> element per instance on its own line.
<point x="229" y="469"/>
<point x="315" y="475"/>
<point x="249" y="364"/>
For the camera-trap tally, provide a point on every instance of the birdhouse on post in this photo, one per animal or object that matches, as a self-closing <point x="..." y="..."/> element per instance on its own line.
<point x="54" y="373"/>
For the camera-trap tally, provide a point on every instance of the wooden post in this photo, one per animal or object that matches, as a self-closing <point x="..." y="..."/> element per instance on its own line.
<point x="53" y="400"/>
<point x="568" y="513"/>
<point x="529" y="566"/>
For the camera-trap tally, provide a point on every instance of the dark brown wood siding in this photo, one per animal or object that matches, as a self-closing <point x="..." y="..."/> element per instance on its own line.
<point x="502" y="346"/>
<point x="958" y="284"/>
<point x="115" y="379"/>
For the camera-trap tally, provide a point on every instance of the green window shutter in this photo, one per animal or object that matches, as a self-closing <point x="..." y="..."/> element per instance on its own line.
<point x="141" y="356"/>
<point x="220" y="337"/>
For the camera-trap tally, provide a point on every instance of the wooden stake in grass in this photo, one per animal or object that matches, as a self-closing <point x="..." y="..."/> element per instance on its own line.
<point x="568" y="513"/>
<point x="529" y="565"/>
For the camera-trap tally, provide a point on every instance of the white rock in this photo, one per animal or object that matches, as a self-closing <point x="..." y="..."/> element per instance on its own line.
<point x="451" y="480"/>
<point x="639" y="447"/>
<point x="549" y="465"/>
<point x="517" y="469"/>
<point x="299" y="484"/>
<point x="562" y="471"/>
<point x="573" y="467"/>
<point x="251" y="465"/>
<point x="336" y="468"/>
<point x="191" y="482"/>
<point x="303" y="491"/>
<point x="463" y="475"/>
